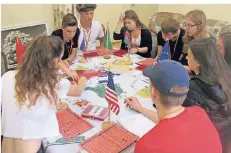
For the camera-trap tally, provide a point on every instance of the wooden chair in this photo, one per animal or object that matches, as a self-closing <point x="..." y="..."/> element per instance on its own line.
<point x="4" y="63"/>
<point x="5" y="66"/>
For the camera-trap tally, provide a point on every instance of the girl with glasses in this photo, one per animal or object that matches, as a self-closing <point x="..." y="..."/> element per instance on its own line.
<point x="195" y="28"/>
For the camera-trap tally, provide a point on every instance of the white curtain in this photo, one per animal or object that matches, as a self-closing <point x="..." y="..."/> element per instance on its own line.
<point x="60" y="10"/>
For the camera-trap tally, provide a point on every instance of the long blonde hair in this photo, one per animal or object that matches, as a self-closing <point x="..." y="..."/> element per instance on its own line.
<point x="199" y="18"/>
<point x="37" y="75"/>
<point x="130" y="14"/>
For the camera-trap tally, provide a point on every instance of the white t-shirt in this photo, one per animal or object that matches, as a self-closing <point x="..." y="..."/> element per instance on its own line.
<point x="35" y="123"/>
<point x="91" y="36"/>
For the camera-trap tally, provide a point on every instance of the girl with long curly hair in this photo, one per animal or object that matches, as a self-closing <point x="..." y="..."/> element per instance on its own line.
<point x="30" y="95"/>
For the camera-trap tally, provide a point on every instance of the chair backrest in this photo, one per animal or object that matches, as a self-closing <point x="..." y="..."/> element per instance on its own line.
<point x="225" y="29"/>
<point x="4" y="63"/>
<point x="159" y="17"/>
<point x="214" y="27"/>
<point x="154" y="45"/>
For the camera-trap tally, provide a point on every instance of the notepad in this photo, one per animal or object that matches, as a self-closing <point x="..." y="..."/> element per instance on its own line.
<point x="72" y="125"/>
<point x="137" y="124"/>
<point x="114" y="139"/>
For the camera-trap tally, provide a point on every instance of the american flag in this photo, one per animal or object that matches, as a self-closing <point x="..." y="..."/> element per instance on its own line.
<point x="127" y="38"/>
<point x="111" y="96"/>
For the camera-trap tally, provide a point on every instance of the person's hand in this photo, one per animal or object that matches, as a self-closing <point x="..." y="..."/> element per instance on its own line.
<point x="155" y="61"/>
<point x="73" y="75"/>
<point x="133" y="103"/>
<point x="121" y="19"/>
<point x="82" y="80"/>
<point x="66" y="62"/>
<point x="133" y="50"/>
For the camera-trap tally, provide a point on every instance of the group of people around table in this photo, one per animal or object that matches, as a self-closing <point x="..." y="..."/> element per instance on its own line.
<point x="193" y="113"/>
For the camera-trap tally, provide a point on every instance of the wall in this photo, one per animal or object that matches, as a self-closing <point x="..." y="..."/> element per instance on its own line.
<point x="14" y="14"/>
<point x="145" y="11"/>
<point x="110" y="13"/>
<point x="212" y="11"/>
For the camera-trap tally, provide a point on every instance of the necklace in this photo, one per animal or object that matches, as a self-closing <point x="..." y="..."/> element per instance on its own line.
<point x="69" y="50"/>
<point x="86" y="37"/>
<point x="171" y="55"/>
<point x="135" y="36"/>
<point x="133" y="42"/>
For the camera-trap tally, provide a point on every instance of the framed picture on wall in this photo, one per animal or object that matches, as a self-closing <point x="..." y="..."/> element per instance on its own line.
<point x="25" y="32"/>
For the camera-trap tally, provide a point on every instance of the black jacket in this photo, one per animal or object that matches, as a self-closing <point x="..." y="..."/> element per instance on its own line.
<point x="212" y="98"/>
<point x="146" y="41"/>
